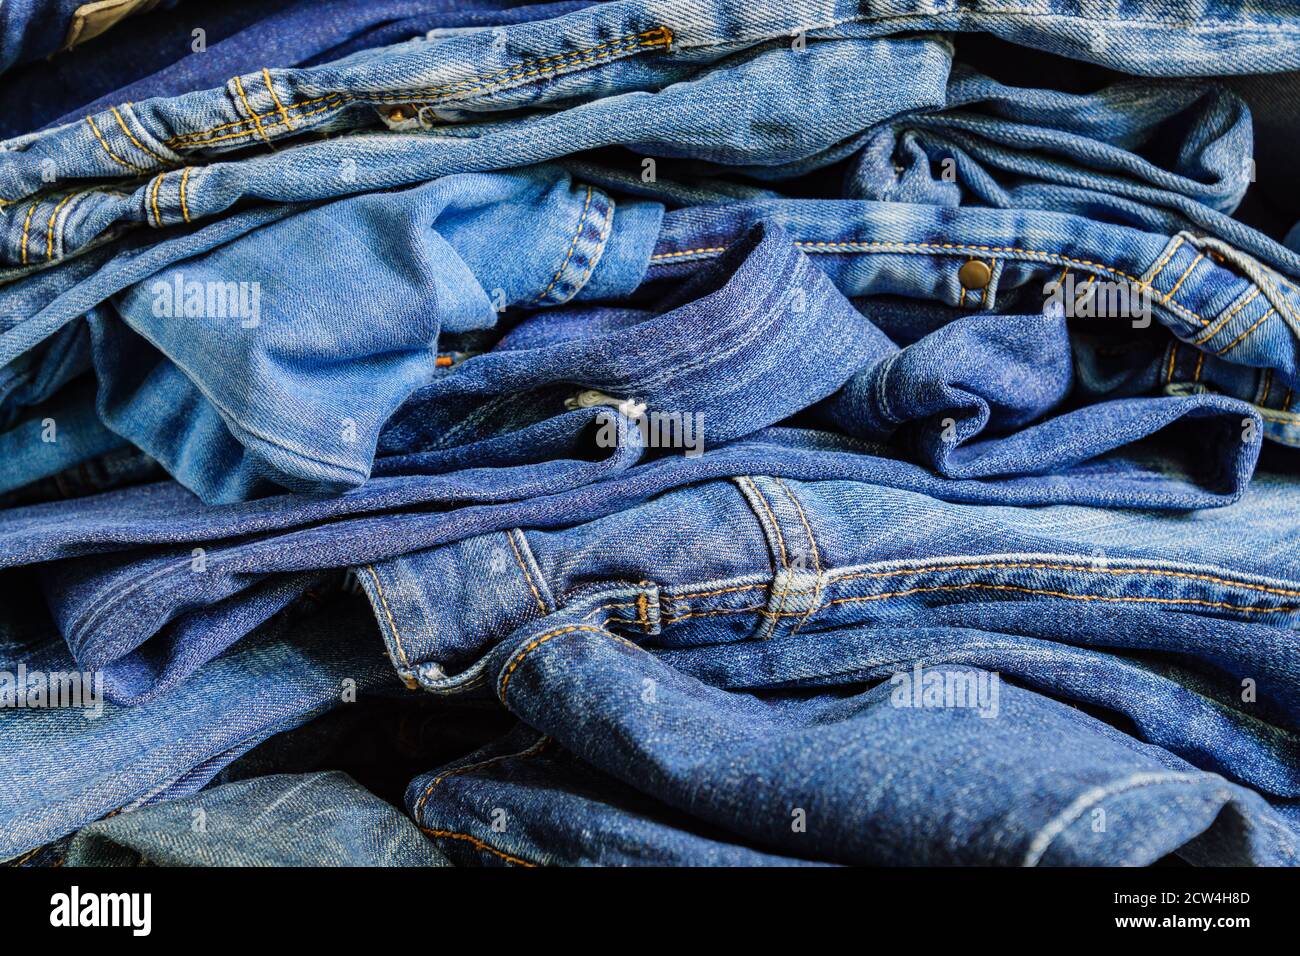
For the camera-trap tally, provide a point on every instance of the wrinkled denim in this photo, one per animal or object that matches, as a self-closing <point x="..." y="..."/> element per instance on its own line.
<point x="323" y="819"/>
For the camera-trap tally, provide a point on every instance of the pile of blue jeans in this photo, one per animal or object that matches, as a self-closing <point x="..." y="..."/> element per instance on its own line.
<point x="649" y="432"/>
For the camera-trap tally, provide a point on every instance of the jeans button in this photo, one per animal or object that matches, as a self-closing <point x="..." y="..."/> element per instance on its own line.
<point x="974" y="274"/>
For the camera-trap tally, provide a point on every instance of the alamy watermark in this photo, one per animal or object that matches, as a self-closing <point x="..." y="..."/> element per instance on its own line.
<point x="920" y="688"/>
<point x="208" y="299"/>
<point x="683" y="430"/>
<point x="1100" y="299"/>
<point x="47" y="690"/>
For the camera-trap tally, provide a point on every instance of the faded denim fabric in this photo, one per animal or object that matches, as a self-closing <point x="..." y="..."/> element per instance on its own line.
<point x="323" y="819"/>
<point x="653" y="433"/>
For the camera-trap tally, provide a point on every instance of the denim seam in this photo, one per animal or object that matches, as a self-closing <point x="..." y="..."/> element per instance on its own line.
<point x="941" y="248"/>
<point x="477" y="844"/>
<point x="775" y="529"/>
<point x="392" y="623"/>
<point x="1237" y="341"/>
<point x="49" y="232"/>
<point x="1028" y="565"/>
<point x="812" y="543"/>
<point x="528" y="578"/>
<point x="108" y="152"/>
<point x="539" y="641"/>
<point x="1072" y="813"/>
<point x="270" y="88"/>
<point x="573" y="244"/>
<point x="535" y="748"/>
<point x="243" y="98"/>
<point x="131" y="136"/>
<point x="1212" y="329"/>
<point x="659" y="36"/>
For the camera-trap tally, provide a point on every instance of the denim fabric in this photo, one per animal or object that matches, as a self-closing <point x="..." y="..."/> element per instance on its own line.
<point x="155" y="56"/>
<point x="323" y="819"/>
<point x="30" y="29"/>
<point x="64" y="768"/>
<point x="764" y="603"/>
<point x="333" y="372"/>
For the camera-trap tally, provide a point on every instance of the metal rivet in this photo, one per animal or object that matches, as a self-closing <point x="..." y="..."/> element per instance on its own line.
<point x="974" y="274"/>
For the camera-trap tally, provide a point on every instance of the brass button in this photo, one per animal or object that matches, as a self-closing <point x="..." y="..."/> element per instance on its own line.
<point x="974" y="274"/>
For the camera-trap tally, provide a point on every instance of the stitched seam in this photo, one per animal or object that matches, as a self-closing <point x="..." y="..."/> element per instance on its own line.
<point x="537" y="747"/>
<point x="785" y="559"/>
<point x="478" y="844"/>
<point x="1015" y="566"/>
<point x="955" y="247"/>
<point x="153" y="199"/>
<point x="185" y="177"/>
<point x="1235" y="342"/>
<point x="338" y="101"/>
<point x="598" y="253"/>
<point x="49" y="233"/>
<point x="112" y="155"/>
<point x="270" y="88"/>
<point x="528" y="578"/>
<point x="1210" y="332"/>
<point x="812" y="542"/>
<point x="1200" y="363"/>
<point x="131" y="136"/>
<point x="659" y="36"/>
<point x="1183" y="278"/>
<point x="1173" y="358"/>
<point x="392" y="624"/>
<point x="586" y="206"/>
<point x="27" y="224"/>
<point x="257" y="120"/>
<point x="1169" y="254"/>
<point x="538" y="642"/>
<point x="1063" y="594"/>
<point x="1268" y="386"/>
<point x="1077" y="807"/>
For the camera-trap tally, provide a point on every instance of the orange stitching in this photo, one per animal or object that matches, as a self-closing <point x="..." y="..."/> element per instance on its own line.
<point x="131" y="136"/>
<point x="505" y="678"/>
<point x="27" y="225"/>
<point x="1233" y="344"/>
<point x="528" y="578"/>
<point x="1160" y="267"/>
<point x="984" y="292"/>
<point x="266" y="78"/>
<point x="1181" y="279"/>
<point x="642" y="609"/>
<point x="478" y="844"/>
<point x="1211" y="332"/>
<point x="202" y="134"/>
<point x="572" y="245"/>
<point x="1064" y="594"/>
<point x="961" y="300"/>
<point x="537" y="747"/>
<point x="257" y="120"/>
<point x="1173" y="357"/>
<point x="185" y="176"/>
<point x="1200" y="362"/>
<point x="112" y="155"/>
<point x="817" y="563"/>
<point x="157" y="184"/>
<point x="49" y="236"/>
<point x="1268" y="386"/>
<point x="392" y="624"/>
<point x="218" y="139"/>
